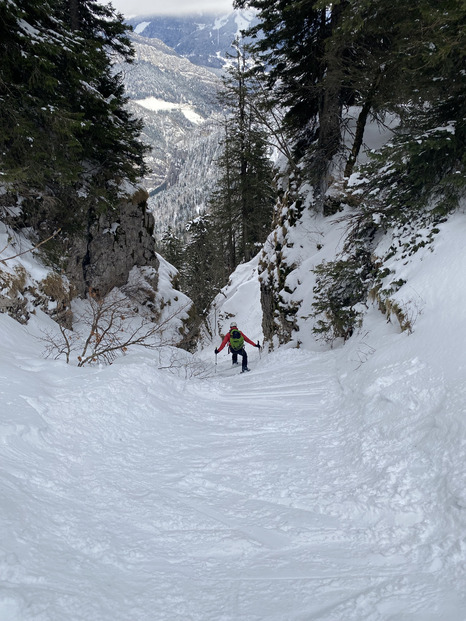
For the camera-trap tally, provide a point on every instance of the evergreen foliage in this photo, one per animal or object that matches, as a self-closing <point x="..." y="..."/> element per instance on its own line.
<point x="65" y="132"/>
<point x="242" y="204"/>
<point x="413" y="183"/>
<point x="172" y="248"/>
<point x="340" y="293"/>
<point x="240" y="209"/>
<point x="202" y="276"/>
<point x="303" y="71"/>
<point x="383" y="57"/>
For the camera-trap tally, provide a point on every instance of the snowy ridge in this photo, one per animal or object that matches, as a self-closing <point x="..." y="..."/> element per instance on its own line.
<point x="156" y="53"/>
<point x="203" y="37"/>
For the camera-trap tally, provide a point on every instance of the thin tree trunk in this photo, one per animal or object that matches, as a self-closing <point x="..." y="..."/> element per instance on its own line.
<point x="330" y="113"/>
<point x="329" y="140"/>
<point x="361" y="125"/>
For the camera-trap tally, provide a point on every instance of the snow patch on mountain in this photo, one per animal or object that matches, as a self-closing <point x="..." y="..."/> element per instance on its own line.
<point x="243" y="20"/>
<point x="158" y="105"/>
<point x="219" y="22"/>
<point x="139" y="29"/>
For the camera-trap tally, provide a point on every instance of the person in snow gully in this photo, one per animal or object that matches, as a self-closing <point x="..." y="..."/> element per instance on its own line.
<point x="236" y="339"/>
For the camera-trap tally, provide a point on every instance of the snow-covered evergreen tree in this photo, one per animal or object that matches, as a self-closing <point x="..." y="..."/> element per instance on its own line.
<point x="67" y="138"/>
<point x="332" y="69"/>
<point x="242" y="205"/>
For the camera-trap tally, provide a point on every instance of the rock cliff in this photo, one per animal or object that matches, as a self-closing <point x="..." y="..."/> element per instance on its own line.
<point x="92" y="260"/>
<point x="112" y="245"/>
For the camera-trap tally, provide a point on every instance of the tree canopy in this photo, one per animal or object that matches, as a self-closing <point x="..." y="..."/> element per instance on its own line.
<point x="65" y="130"/>
<point x="329" y="64"/>
<point x="384" y="56"/>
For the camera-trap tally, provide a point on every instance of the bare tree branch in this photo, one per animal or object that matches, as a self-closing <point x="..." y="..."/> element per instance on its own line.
<point x="110" y="327"/>
<point x="30" y="249"/>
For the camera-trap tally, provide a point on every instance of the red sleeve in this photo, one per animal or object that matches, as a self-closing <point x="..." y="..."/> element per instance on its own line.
<point x="248" y="340"/>
<point x="225" y="341"/>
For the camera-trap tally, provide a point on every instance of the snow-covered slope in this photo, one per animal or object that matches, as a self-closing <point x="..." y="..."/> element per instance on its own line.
<point x="327" y="484"/>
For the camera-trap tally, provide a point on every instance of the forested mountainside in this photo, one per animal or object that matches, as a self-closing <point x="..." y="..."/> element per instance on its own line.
<point x="189" y="182"/>
<point x="204" y="38"/>
<point x="158" y="71"/>
<point x="178" y="103"/>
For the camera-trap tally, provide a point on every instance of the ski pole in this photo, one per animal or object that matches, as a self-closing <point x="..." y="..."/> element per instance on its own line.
<point x="215" y="362"/>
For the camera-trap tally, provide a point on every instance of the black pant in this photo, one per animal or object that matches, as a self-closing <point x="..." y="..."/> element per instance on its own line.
<point x="241" y="352"/>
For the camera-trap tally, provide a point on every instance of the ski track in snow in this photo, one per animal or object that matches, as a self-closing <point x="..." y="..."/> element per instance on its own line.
<point x="274" y="495"/>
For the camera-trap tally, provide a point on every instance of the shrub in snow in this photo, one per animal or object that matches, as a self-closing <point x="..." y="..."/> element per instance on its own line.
<point x="106" y="328"/>
<point x="341" y="290"/>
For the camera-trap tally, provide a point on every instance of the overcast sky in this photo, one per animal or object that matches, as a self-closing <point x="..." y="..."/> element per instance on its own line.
<point x="130" y="8"/>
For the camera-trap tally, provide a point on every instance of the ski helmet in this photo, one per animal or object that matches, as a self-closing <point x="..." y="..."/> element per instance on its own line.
<point x="233" y="324"/>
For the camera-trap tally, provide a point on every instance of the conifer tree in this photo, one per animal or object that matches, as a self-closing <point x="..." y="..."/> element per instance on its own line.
<point x="201" y="279"/>
<point x="381" y="56"/>
<point x="38" y="128"/>
<point x="407" y="60"/>
<point x="242" y="205"/>
<point x="65" y="131"/>
<point x="292" y="44"/>
<point x="224" y="207"/>
<point x="109" y="133"/>
<point x="172" y="248"/>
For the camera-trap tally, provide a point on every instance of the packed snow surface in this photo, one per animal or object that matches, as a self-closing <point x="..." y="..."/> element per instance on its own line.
<point x="326" y="484"/>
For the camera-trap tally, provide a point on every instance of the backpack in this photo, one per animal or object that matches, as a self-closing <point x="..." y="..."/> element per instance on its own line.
<point x="236" y="340"/>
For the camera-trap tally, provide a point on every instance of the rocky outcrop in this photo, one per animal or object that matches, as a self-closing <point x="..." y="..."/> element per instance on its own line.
<point x="93" y="260"/>
<point x="114" y="243"/>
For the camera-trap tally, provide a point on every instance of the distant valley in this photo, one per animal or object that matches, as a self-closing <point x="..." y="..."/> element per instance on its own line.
<point x="177" y="102"/>
<point x="173" y="86"/>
